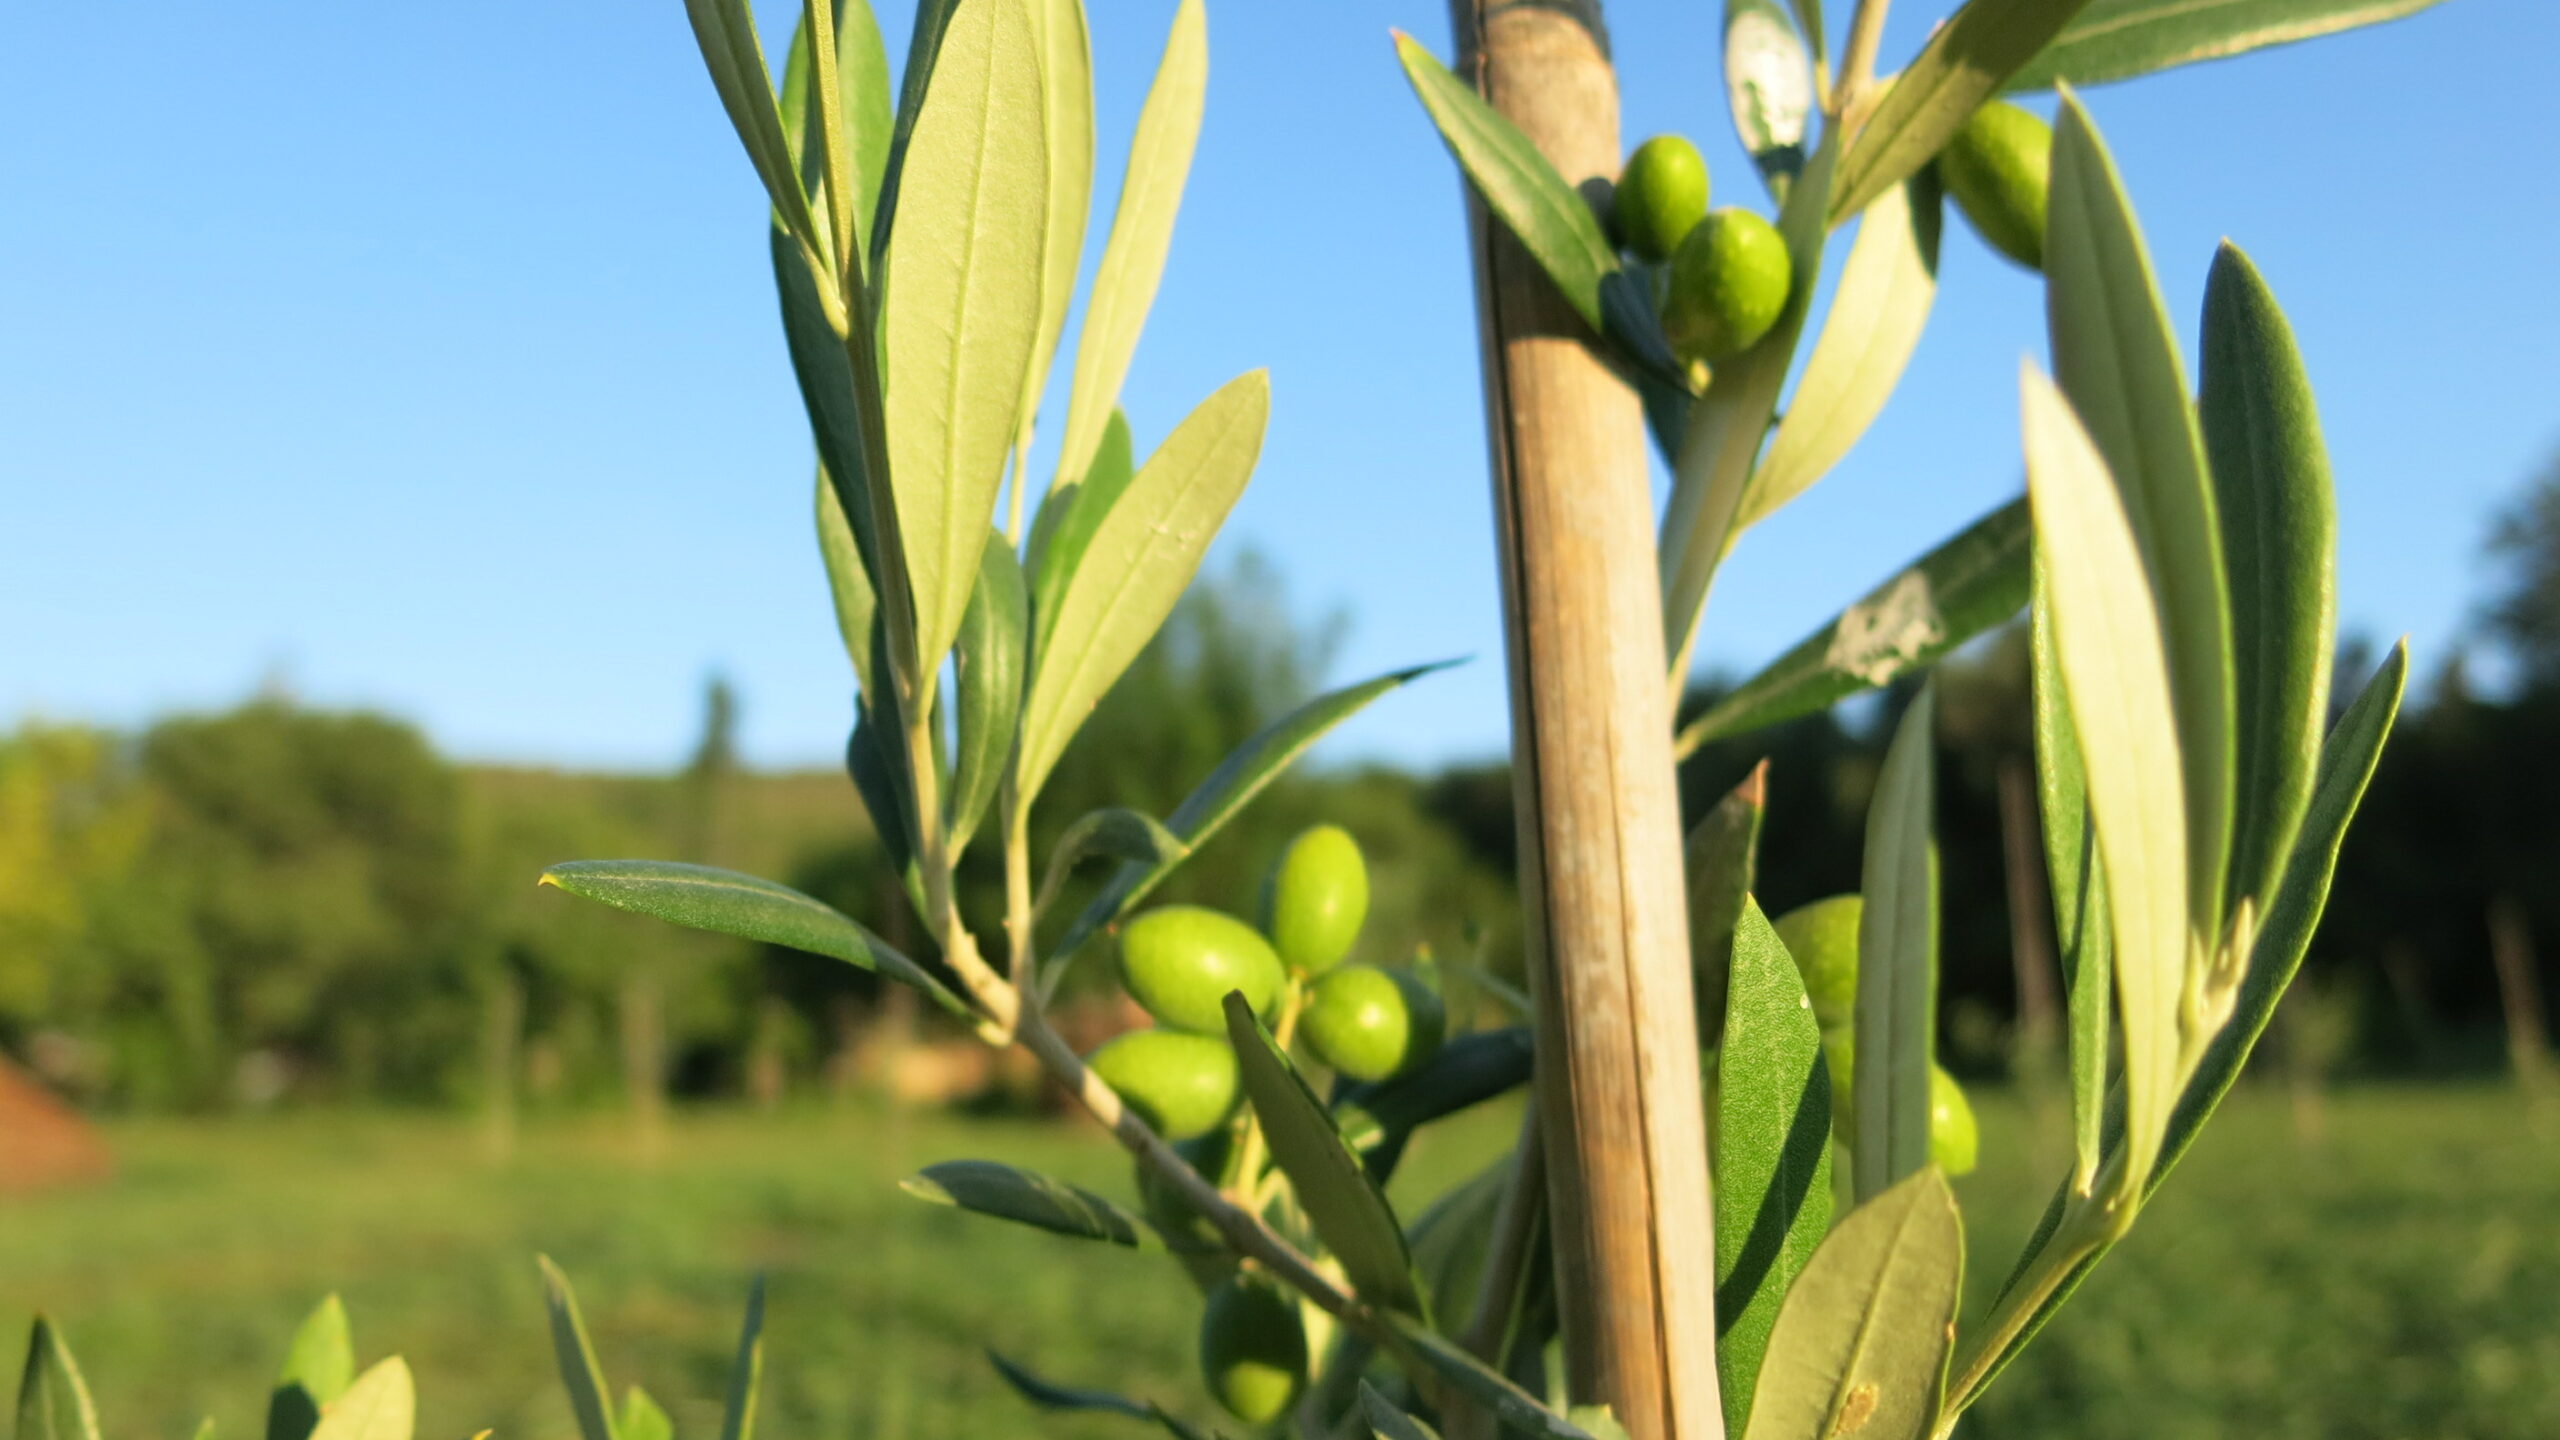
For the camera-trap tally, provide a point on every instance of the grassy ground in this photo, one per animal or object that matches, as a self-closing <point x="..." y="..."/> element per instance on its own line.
<point x="2400" y="1279"/>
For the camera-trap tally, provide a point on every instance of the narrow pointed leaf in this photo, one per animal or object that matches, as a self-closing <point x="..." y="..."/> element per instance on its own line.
<point x="1722" y="857"/>
<point x="576" y="1354"/>
<point x="318" y="1367"/>
<point x="2084" y="939"/>
<point x="643" y="1418"/>
<point x="963" y="303"/>
<point x="1860" y="1347"/>
<point x="2280" y="538"/>
<point x="1124" y="288"/>
<point x="746" y="1372"/>
<point x="1972" y="582"/>
<point x="2119" y="39"/>
<point x="1142" y="556"/>
<point x="862" y="109"/>
<point x="1378" y="1117"/>
<point x="1965" y="63"/>
<point x="727" y="37"/>
<point x="1768" y="84"/>
<point x="1897" y="1007"/>
<point x="1227" y="790"/>
<point x="1025" y="1197"/>
<point x="1772" y="1152"/>
<point x="2116" y="357"/>
<point x="1051" y="1396"/>
<point x="381" y="1404"/>
<point x="1519" y="1413"/>
<point x="1344" y="1205"/>
<point x="2108" y="640"/>
<point x="924" y="51"/>
<point x="1451" y="1238"/>
<point x="827" y="391"/>
<point x="1128" y="835"/>
<point x="1067" y="84"/>
<point x="53" y="1399"/>
<point x="1535" y="203"/>
<point x="1387" y="1422"/>
<point x="1069" y="515"/>
<point x="1720" y="443"/>
<point x="857" y="605"/>
<point x="1876" y="316"/>
<point x="991" y="662"/>
<point x="726" y="902"/>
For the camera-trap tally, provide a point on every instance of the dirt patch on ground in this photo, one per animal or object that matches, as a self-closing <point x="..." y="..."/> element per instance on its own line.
<point x="43" y="1142"/>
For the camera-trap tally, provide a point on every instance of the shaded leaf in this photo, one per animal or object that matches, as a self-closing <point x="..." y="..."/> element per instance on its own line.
<point x="1344" y="1205"/>
<point x="1128" y="835"/>
<point x="1772" y="1152"/>
<point x="1142" y="556"/>
<point x="989" y="1187"/>
<point x="576" y="1354"/>
<point x="992" y="658"/>
<point x="1965" y="63"/>
<point x="2280" y="539"/>
<point x="700" y="897"/>
<point x="1876" y="316"/>
<point x="1051" y="1396"/>
<point x="862" y="110"/>
<point x="1451" y="1238"/>
<point x="1378" y="1117"/>
<point x="962" y="308"/>
<point x="1768" y="84"/>
<point x="746" y="1372"/>
<point x="318" y="1367"/>
<point x="1897" y="1008"/>
<point x="2107" y="640"/>
<point x="2116" y="357"/>
<point x="1722" y="857"/>
<point x="1969" y="584"/>
<point x="2085" y="941"/>
<point x="1860" y="1346"/>
<point x="857" y="605"/>
<point x="2119" y="39"/>
<point x="726" y="34"/>
<point x="1389" y="1423"/>
<point x="1534" y="202"/>
<point x="1124" y="288"/>
<point x="829" y="392"/>
<point x="1514" y="1407"/>
<point x="51" y="1392"/>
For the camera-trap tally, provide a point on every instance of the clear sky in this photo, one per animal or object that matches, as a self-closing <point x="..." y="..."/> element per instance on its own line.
<point x="424" y="356"/>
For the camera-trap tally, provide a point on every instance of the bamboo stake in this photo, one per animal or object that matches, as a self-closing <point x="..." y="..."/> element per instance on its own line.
<point x="1620" y="1110"/>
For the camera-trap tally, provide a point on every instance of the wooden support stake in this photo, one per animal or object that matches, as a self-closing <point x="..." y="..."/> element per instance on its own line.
<point x="1617" y="1081"/>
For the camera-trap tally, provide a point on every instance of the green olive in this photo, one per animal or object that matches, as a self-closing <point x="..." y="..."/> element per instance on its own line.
<point x="1661" y="197"/>
<point x="1253" y="1349"/>
<point x="1729" y="280"/>
<point x="1319" y="896"/>
<point x="1998" y="168"/>
<point x="1955" y="1142"/>
<point x="1373" y="1024"/>
<point x="1182" y="1085"/>
<point x="1823" y="938"/>
<point x="1179" y="961"/>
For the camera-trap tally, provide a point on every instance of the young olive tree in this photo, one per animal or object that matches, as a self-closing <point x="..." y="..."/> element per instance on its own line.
<point x="2173" y="550"/>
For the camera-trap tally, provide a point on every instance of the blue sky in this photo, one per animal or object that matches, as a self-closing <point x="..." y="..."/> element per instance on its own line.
<point x="423" y="356"/>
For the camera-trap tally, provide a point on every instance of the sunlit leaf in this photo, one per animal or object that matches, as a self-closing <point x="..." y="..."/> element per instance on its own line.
<point x="318" y="1367"/>
<point x="726" y="34"/>
<point x="1553" y="223"/>
<point x="991" y="660"/>
<point x="1722" y="858"/>
<point x="380" y="1404"/>
<point x="857" y="605"/>
<point x="1066" y="74"/>
<point x="1897" y="1009"/>
<point x="2119" y="39"/>
<point x="2078" y="886"/>
<point x="1969" y="584"/>
<point x="746" y="1372"/>
<point x="576" y="1355"/>
<point x="1772" y="1152"/>
<point x="53" y="1399"/>
<point x="1966" y="62"/>
<point x="1860" y="1345"/>
<point x="1124" y="288"/>
<point x="1768" y="84"/>
<point x="643" y="1418"/>
<point x="862" y="111"/>
<point x="963" y="303"/>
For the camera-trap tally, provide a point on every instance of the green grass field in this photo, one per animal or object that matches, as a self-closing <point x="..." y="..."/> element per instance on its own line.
<point x="2400" y="1279"/>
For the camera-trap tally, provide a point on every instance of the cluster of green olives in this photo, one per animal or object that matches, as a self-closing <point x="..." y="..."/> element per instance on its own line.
<point x="1823" y="938"/>
<point x="1364" y="1022"/>
<point x="1726" y="272"/>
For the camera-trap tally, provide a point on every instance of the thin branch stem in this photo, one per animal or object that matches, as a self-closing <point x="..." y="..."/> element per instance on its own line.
<point x="834" y="162"/>
<point x="1858" y="57"/>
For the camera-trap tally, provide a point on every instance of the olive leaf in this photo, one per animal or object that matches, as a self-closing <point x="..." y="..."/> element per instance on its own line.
<point x="1051" y="1396"/>
<point x="318" y="1367"/>
<point x="726" y="902"/>
<point x="2109" y="642"/>
<point x="1450" y="1238"/>
<point x="1345" y="1206"/>
<point x="643" y="1418"/>
<point x="1124" y="288"/>
<point x="746" y="1372"/>
<point x="1860" y="1345"/>
<point x="1069" y="514"/>
<point x="2115" y="356"/>
<point x="862" y="109"/>
<point x="1897" y="1005"/>
<point x="962" y="309"/>
<point x="1377" y="1117"/>
<point x="2280" y="539"/>
<point x="829" y="391"/>
<point x="1217" y="799"/>
<point x="1389" y="1423"/>
<point x="1768" y="83"/>
<point x="1886" y="289"/>
<point x="857" y="605"/>
<point x="924" y="50"/>
<point x="1129" y="835"/>
<point x="1007" y="1192"/>
<point x="726" y="35"/>
<point x="2078" y="888"/>
<point x="1143" y="553"/>
<point x="380" y="1404"/>
<point x="51" y="1391"/>
<point x="990" y="662"/>
<point x="1512" y="1406"/>
<point x="1971" y="582"/>
<point x="1722" y="858"/>
<point x="1965" y="62"/>
<point x="2119" y="39"/>
<point x="1772" y="1151"/>
<point x="1518" y="184"/>
<point x="580" y="1375"/>
<point x="1066" y="82"/>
